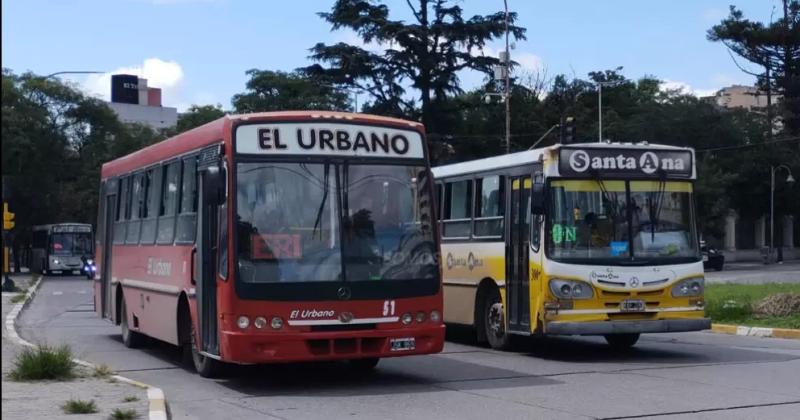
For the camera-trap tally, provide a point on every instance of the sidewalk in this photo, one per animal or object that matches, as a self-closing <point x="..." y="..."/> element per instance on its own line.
<point x="43" y="400"/>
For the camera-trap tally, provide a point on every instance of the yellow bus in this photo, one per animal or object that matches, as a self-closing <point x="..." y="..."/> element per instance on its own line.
<point x="579" y="239"/>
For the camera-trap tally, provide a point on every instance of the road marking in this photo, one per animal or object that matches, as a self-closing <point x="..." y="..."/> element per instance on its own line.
<point x="57" y="293"/>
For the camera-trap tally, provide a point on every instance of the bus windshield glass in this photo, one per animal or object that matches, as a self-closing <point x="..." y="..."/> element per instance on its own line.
<point x="623" y="222"/>
<point x="324" y="222"/>
<point x="70" y="244"/>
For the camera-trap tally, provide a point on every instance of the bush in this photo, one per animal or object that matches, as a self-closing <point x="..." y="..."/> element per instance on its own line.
<point x="102" y="371"/>
<point x="79" y="407"/>
<point x="126" y="414"/>
<point x="782" y="304"/>
<point x="42" y="363"/>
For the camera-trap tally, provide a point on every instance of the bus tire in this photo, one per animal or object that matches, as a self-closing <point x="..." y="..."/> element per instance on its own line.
<point x="203" y="365"/>
<point x="364" y="365"/>
<point x="622" y="341"/>
<point x="494" y="322"/>
<point x="130" y="338"/>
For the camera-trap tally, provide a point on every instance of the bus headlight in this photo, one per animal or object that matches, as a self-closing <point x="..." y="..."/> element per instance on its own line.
<point x="260" y="322"/>
<point x="435" y="316"/>
<point x="571" y="289"/>
<point x="407" y="318"/>
<point x="276" y="323"/>
<point x="243" y="322"/>
<point x="690" y="287"/>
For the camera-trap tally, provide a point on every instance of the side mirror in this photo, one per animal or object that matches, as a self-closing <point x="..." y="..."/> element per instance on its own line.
<point x="213" y="185"/>
<point x="537" y="198"/>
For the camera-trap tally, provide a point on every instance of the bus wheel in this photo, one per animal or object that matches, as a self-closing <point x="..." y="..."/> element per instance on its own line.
<point x="621" y="341"/>
<point x="130" y="338"/>
<point x="204" y="365"/>
<point x="364" y="365"/>
<point x="494" y="322"/>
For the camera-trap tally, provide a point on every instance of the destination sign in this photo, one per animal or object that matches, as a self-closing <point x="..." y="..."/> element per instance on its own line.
<point x="72" y="228"/>
<point x="619" y="161"/>
<point x="328" y="139"/>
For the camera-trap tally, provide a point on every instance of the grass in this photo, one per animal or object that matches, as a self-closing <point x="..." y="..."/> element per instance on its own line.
<point x="126" y="414"/>
<point x="130" y="398"/>
<point x="102" y="371"/>
<point x="18" y="298"/>
<point x="43" y="363"/>
<point x="733" y="304"/>
<point x="79" y="407"/>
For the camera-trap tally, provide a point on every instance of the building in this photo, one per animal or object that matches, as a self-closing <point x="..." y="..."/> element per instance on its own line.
<point x="738" y="96"/>
<point x="134" y="102"/>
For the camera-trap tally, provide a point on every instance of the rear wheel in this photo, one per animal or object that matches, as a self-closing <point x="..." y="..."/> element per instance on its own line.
<point x="364" y="365"/>
<point x="130" y="338"/>
<point x="494" y="321"/>
<point x="622" y="341"/>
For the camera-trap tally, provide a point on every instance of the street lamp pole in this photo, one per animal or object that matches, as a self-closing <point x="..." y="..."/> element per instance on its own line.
<point x="508" y="85"/>
<point x="789" y="180"/>
<point x="73" y="72"/>
<point x="600" y="108"/>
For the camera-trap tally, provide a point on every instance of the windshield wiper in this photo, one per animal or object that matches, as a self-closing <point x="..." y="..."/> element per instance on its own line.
<point x="655" y="203"/>
<point x="325" y="182"/>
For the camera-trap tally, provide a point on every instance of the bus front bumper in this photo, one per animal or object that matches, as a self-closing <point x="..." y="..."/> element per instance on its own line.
<point x="247" y="348"/>
<point x="627" y="327"/>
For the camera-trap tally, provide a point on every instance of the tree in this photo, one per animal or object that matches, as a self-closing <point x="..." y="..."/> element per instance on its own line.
<point x="280" y="91"/>
<point x="198" y="115"/>
<point x="427" y="53"/>
<point x="774" y="47"/>
<point x="54" y="141"/>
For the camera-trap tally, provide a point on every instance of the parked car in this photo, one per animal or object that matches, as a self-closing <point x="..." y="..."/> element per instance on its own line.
<point x="712" y="257"/>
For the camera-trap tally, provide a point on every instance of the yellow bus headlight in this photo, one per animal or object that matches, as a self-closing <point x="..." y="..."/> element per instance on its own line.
<point x="690" y="287"/>
<point x="571" y="289"/>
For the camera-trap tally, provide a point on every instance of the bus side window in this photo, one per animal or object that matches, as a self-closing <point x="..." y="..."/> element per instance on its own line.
<point x="152" y="188"/>
<point x="222" y="248"/>
<point x="122" y="206"/>
<point x="135" y="208"/>
<point x="457" y="209"/>
<point x="187" y="217"/>
<point x="489" y="207"/>
<point x="169" y="201"/>
<point x="438" y="201"/>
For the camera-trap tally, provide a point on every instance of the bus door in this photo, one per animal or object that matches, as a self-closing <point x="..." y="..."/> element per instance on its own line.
<point x="210" y="187"/>
<point x="107" y="216"/>
<point x="517" y="246"/>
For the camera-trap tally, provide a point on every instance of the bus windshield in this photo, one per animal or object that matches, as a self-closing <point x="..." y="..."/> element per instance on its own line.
<point x="329" y="222"/>
<point x="70" y="244"/>
<point x="621" y="222"/>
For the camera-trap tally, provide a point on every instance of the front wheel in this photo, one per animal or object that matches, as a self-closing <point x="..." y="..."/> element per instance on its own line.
<point x="494" y="321"/>
<point x="364" y="365"/>
<point x="622" y="341"/>
<point x="205" y="366"/>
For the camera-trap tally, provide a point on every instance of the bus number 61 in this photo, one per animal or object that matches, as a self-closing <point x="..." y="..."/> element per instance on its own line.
<point x="388" y="307"/>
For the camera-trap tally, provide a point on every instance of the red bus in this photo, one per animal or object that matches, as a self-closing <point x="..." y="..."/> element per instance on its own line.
<point x="274" y="237"/>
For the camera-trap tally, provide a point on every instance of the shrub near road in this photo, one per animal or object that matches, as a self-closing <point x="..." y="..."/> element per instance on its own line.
<point x="774" y="305"/>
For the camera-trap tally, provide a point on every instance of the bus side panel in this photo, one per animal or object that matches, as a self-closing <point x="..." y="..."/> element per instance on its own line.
<point x="464" y="266"/>
<point x="152" y="279"/>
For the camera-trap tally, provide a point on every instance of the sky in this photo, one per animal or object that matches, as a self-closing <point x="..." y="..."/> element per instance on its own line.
<point x="198" y="51"/>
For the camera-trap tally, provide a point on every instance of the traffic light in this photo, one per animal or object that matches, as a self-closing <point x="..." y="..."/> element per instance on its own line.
<point x="569" y="130"/>
<point x="8" y="218"/>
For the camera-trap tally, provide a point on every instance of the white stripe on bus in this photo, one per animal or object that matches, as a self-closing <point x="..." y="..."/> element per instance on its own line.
<point x="302" y="322"/>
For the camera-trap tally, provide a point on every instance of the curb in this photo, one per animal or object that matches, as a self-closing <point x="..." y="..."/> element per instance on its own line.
<point x="787" y="333"/>
<point x="157" y="409"/>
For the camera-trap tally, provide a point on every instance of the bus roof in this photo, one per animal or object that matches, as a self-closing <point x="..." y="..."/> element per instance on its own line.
<point x="531" y="156"/>
<point x="219" y="130"/>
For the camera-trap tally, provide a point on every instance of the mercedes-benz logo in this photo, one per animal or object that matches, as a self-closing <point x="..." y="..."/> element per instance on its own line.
<point x="345" y="317"/>
<point x="343" y="293"/>
<point x="633" y="282"/>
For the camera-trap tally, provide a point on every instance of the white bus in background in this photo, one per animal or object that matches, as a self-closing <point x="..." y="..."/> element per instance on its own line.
<point x="58" y="248"/>
<point x="579" y="239"/>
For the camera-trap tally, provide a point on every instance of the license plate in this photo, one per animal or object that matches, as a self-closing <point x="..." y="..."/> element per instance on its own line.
<point x="705" y="257"/>
<point x="402" y="344"/>
<point x="631" y="305"/>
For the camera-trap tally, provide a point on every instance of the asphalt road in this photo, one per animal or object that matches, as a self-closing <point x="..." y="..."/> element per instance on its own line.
<point x="756" y="273"/>
<point x="673" y="376"/>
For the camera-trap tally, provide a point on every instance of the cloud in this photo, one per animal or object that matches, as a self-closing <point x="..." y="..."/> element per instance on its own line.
<point x="167" y="75"/>
<point x="684" y="87"/>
